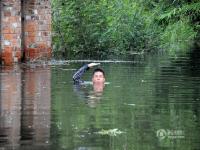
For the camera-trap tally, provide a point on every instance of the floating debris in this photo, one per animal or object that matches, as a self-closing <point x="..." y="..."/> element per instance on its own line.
<point x="117" y="86"/>
<point x="143" y="81"/>
<point x="110" y="132"/>
<point x="129" y="104"/>
<point x="72" y="69"/>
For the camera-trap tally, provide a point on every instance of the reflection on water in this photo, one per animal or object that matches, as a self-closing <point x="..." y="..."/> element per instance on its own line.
<point x="90" y="93"/>
<point x="25" y="107"/>
<point x="154" y="103"/>
<point x="151" y="104"/>
<point x="10" y="106"/>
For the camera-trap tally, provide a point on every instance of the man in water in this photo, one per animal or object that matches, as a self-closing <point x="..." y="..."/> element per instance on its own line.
<point x="98" y="77"/>
<point x="92" y="97"/>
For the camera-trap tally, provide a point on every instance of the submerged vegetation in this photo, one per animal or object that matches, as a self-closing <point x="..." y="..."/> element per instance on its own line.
<point x="122" y="28"/>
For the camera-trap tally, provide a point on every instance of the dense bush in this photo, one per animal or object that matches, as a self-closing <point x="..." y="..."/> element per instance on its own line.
<point x="101" y="29"/>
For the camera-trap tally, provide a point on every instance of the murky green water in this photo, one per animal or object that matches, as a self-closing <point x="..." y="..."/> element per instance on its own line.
<point x="148" y="104"/>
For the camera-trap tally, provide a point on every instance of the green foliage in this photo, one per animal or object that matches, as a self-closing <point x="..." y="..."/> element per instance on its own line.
<point x="119" y="28"/>
<point x="180" y="23"/>
<point x="177" y="37"/>
<point x="82" y="26"/>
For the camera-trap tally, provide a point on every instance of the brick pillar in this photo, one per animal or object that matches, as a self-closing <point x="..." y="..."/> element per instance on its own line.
<point x="37" y="29"/>
<point x="10" y="31"/>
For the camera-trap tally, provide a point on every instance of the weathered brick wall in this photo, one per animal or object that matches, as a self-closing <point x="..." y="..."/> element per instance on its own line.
<point x="37" y="29"/>
<point x="10" y="31"/>
<point x="25" y="30"/>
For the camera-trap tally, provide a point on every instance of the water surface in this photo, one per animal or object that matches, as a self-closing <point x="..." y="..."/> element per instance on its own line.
<point x="148" y="104"/>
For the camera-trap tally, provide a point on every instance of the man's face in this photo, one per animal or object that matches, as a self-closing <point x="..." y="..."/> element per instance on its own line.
<point x="98" y="77"/>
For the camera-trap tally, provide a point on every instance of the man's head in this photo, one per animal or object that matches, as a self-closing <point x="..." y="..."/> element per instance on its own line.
<point x="98" y="76"/>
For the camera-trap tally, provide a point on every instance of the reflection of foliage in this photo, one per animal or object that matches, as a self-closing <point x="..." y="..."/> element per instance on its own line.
<point x="151" y="96"/>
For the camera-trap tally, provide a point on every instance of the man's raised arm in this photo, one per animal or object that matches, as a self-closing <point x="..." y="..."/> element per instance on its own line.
<point x="77" y="75"/>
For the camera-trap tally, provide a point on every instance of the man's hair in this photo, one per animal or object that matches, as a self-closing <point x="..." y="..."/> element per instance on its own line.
<point x="98" y="70"/>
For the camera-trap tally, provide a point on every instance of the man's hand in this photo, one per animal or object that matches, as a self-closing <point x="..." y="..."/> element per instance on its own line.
<point x="90" y="65"/>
